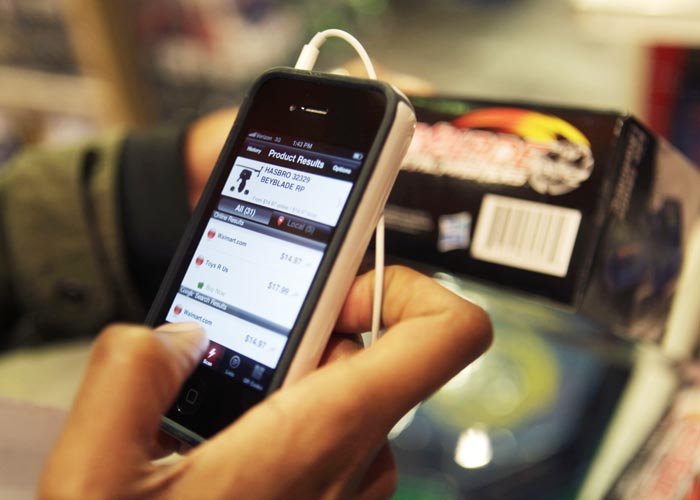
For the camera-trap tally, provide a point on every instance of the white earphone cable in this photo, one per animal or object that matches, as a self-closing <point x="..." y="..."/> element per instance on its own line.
<point x="306" y="61"/>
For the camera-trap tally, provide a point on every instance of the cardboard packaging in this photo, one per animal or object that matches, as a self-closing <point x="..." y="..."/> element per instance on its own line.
<point x="588" y="210"/>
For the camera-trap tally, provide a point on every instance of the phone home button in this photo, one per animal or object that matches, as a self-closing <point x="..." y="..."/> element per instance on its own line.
<point x="191" y="397"/>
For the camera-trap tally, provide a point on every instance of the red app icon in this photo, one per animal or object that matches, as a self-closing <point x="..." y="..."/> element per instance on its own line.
<point x="199" y="260"/>
<point x="177" y="309"/>
<point x="213" y="354"/>
<point x="211" y="234"/>
<point x="280" y="220"/>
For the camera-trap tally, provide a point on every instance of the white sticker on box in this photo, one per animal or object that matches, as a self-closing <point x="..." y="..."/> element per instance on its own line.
<point x="525" y="234"/>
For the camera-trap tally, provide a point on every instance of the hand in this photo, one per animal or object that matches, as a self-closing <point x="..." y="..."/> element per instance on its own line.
<point x="323" y="437"/>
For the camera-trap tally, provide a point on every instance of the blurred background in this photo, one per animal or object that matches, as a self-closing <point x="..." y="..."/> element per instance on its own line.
<point x="525" y="421"/>
<point x="68" y="68"/>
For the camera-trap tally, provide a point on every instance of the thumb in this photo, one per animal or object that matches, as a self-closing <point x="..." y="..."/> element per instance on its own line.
<point x="186" y="342"/>
<point x="133" y="376"/>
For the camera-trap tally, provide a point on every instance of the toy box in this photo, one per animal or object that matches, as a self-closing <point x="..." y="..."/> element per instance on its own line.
<point x="587" y="209"/>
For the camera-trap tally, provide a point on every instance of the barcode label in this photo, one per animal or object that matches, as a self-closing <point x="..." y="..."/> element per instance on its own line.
<point x="524" y="234"/>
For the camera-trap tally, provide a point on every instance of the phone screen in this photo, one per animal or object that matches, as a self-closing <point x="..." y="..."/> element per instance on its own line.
<point x="261" y="248"/>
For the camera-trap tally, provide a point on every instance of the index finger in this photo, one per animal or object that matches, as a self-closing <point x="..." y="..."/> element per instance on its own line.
<point x="431" y="334"/>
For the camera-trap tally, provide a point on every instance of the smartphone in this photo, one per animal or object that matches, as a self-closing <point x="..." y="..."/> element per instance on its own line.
<point x="278" y="235"/>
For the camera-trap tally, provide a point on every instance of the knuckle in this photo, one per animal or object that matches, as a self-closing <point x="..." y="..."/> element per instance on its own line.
<point x="389" y="484"/>
<point x="400" y="272"/>
<point x="484" y="326"/>
<point x="475" y="323"/>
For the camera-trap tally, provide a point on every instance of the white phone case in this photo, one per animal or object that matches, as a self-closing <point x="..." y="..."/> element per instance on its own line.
<point x="351" y="252"/>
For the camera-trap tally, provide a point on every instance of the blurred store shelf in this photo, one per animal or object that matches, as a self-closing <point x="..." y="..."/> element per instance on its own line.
<point x="641" y="21"/>
<point x="520" y="50"/>
<point x="41" y="91"/>
<point x="640" y="7"/>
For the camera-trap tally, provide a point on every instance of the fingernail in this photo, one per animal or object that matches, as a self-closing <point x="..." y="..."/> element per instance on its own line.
<point x="187" y="336"/>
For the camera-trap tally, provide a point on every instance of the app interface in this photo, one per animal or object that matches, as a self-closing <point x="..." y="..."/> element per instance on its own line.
<point x="261" y="249"/>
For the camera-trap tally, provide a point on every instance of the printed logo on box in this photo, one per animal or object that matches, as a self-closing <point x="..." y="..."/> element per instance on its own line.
<point x="508" y="146"/>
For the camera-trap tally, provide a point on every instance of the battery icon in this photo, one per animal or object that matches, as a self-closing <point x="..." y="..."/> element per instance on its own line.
<point x="357" y="156"/>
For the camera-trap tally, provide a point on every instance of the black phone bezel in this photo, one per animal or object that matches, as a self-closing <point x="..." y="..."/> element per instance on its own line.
<point x="317" y="90"/>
